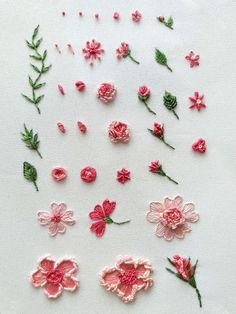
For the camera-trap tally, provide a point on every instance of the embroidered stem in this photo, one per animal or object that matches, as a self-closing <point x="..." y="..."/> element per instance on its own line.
<point x="148" y="108"/>
<point x="36" y="187"/>
<point x="171" y="179"/>
<point x="199" y="297"/>
<point x="168" y="68"/>
<point x="166" y="143"/>
<point x="121" y="223"/>
<point x="133" y="59"/>
<point x="175" y="114"/>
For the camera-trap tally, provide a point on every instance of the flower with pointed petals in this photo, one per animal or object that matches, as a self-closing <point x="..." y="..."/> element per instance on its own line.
<point x="123" y="175"/>
<point x="93" y="51"/>
<point x="57" y="219"/>
<point x="55" y="277"/>
<point x="197" y="101"/>
<point x="127" y="278"/>
<point x="156" y="167"/>
<point x="172" y="217"/>
<point x="193" y="59"/>
<point x="199" y="146"/>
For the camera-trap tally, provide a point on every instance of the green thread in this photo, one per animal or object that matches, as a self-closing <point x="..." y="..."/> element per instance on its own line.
<point x="128" y="54"/>
<point x="170" y="102"/>
<point x="34" y="83"/>
<point x="148" y="108"/>
<point x="162" y="59"/>
<point x="30" y="173"/>
<point x="161" y="138"/>
<point x="109" y="220"/>
<point x="169" y="22"/>
<point x="162" y="173"/>
<point x="31" y="140"/>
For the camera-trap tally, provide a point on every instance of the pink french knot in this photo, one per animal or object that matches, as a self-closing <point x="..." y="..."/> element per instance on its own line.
<point x="106" y="92"/>
<point x="55" y="277"/>
<point x="61" y="127"/>
<point x="92" y="51"/>
<point x="197" y="101"/>
<point x="172" y="217"/>
<point x="193" y="59"/>
<point x="57" y="219"/>
<point x="127" y="278"/>
<point x="200" y="146"/>
<point x="61" y="89"/>
<point x="136" y="16"/>
<point x="123" y="175"/>
<point x="80" y="86"/>
<point x="118" y="132"/>
<point x="116" y="15"/>
<point x="82" y="127"/>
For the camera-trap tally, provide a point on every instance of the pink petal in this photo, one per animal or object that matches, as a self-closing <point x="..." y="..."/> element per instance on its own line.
<point x="61" y="228"/>
<point x="189" y="213"/>
<point x="46" y="264"/>
<point x="67" y="217"/>
<point x="53" y="228"/>
<point x="58" y="209"/>
<point x="97" y="213"/>
<point x="196" y="94"/>
<point x="160" y="230"/>
<point x="67" y="266"/>
<point x="126" y="293"/>
<point x="168" y="203"/>
<point x="98" y="227"/>
<point x="143" y="269"/>
<point x="110" y="278"/>
<point x="53" y="291"/>
<point x="169" y="234"/>
<point x="126" y="263"/>
<point x="192" y="99"/>
<point x="178" y="200"/>
<point x="180" y="231"/>
<point x="44" y="218"/>
<point x="154" y="213"/>
<point x="38" y="278"/>
<point x="70" y="283"/>
<point x="108" y="207"/>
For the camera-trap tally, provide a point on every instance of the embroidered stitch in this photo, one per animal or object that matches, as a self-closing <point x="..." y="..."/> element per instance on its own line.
<point x="59" y="173"/>
<point x="31" y="140"/>
<point x="82" y="127"/>
<point x="101" y="216"/>
<point x="172" y="217"/>
<point x="162" y="59"/>
<point x="144" y="93"/>
<point x="197" y="101"/>
<point x="158" y="131"/>
<point x="156" y="167"/>
<point x="124" y="51"/>
<point x="186" y="272"/>
<point x="116" y="16"/>
<point x="88" y="174"/>
<point x="193" y="59"/>
<point x="123" y="175"/>
<point x="70" y="48"/>
<point x="127" y="277"/>
<point x="136" y="16"/>
<point x="80" y="86"/>
<point x="61" y="127"/>
<point x="199" y="146"/>
<point x="93" y="51"/>
<point x="57" y="219"/>
<point x="167" y="22"/>
<point x="57" y="48"/>
<point x="96" y="15"/>
<point x="30" y="173"/>
<point x="61" y="89"/>
<point x="118" y="132"/>
<point x="55" y="277"/>
<point x="106" y="92"/>
<point x="170" y="102"/>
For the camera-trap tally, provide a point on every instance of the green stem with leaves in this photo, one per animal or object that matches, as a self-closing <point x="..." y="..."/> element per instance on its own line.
<point x="31" y="140"/>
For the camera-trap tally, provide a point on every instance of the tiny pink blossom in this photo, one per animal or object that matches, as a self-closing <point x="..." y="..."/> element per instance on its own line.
<point x="80" y="85"/>
<point x="59" y="173"/>
<point x="118" y="132"/>
<point x="61" y="127"/>
<point x="123" y="175"/>
<point x="200" y="146"/>
<point x="193" y="59"/>
<point x="116" y="16"/>
<point x="172" y="217"/>
<point x="92" y="51"/>
<point x="127" y="278"/>
<point x="106" y="92"/>
<point x="136" y="16"/>
<point x="57" y="219"/>
<point x="55" y="277"/>
<point x="197" y="101"/>
<point x="183" y="266"/>
<point x="61" y="89"/>
<point x="123" y="51"/>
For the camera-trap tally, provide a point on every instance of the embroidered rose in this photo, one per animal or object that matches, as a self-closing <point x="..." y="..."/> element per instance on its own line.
<point x="127" y="278"/>
<point x="199" y="146"/>
<point x="136" y="16"/>
<point x="106" y="92"/>
<point x="197" y="101"/>
<point x="88" y="174"/>
<point x="59" y="173"/>
<point x="57" y="219"/>
<point x="55" y="277"/>
<point x="193" y="59"/>
<point x="124" y="51"/>
<point x="123" y="175"/>
<point x="118" y="132"/>
<point x="144" y="93"/>
<point x="93" y="51"/>
<point x="172" y="217"/>
<point x="80" y="86"/>
<point x="101" y="216"/>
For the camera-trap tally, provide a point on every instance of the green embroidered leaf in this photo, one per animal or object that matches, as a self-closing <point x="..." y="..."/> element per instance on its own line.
<point x="30" y="173"/>
<point x="45" y="69"/>
<point x="38" y="58"/>
<point x="39" y="85"/>
<point x="38" y="99"/>
<point x="169" y="23"/>
<point x="44" y="55"/>
<point x="38" y="42"/>
<point x="30" y="45"/>
<point x="35" y="68"/>
<point x="170" y="102"/>
<point x="31" y="140"/>
<point x="161" y="59"/>
<point x="28" y="98"/>
<point x="35" y="33"/>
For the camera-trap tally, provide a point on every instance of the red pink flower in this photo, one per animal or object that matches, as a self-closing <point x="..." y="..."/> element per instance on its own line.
<point x="199" y="146"/>
<point x="193" y="59"/>
<point x="93" y="51"/>
<point x="123" y="175"/>
<point x="88" y="174"/>
<point x="197" y="101"/>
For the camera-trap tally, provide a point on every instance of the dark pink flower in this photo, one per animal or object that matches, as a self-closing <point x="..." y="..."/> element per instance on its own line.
<point x="80" y="85"/>
<point x="136" y="16"/>
<point x="183" y="266"/>
<point x="197" y="101"/>
<point x="118" y="132"/>
<point x="106" y="92"/>
<point x="123" y="175"/>
<point x="82" y="127"/>
<point x="55" y="277"/>
<point x="123" y="51"/>
<point x="193" y="59"/>
<point x="144" y="92"/>
<point x="59" y="173"/>
<point x="61" y="127"/>
<point x="154" y="166"/>
<point x="61" y="89"/>
<point x="88" y="174"/>
<point x="93" y="51"/>
<point x="199" y="146"/>
<point x="116" y="16"/>
<point x="158" y="129"/>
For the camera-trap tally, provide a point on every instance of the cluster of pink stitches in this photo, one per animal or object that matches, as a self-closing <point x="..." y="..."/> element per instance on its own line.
<point x="93" y="51"/>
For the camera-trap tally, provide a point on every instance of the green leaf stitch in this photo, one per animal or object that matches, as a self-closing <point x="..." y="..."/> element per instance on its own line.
<point x="170" y="102"/>
<point x="161" y="59"/>
<point x="30" y="173"/>
<point x="31" y="140"/>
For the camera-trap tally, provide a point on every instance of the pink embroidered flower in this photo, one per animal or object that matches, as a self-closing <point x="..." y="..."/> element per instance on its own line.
<point x="144" y="92"/>
<point x="59" y="173"/>
<point x="61" y="127"/>
<point x="197" y="101"/>
<point x="127" y="278"/>
<point x="172" y="217"/>
<point x="80" y="86"/>
<point x="118" y="132"/>
<point x="116" y="16"/>
<point x="82" y="127"/>
<point x="193" y="59"/>
<point x="154" y="166"/>
<point x="88" y="174"/>
<point x="61" y="89"/>
<point x="106" y="92"/>
<point x="200" y="146"/>
<point x="136" y="16"/>
<point x="158" y="131"/>
<point x="123" y="175"/>
<point x="124" y="51"/>
<point x="96" y="15"/>
<point x="55" y="277"/>
<point x="92" y="51"/>
<point x="57" y="219"/>
<point x="101" y="216"/>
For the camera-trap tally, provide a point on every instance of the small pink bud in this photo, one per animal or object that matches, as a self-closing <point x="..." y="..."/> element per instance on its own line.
<point x="82" y="127"/>
<point x="80" y="86"/>
<point x="116" y="16"/>
<point x="61" y="127"/>
<point x="63" y="13"/>
<point x="61" y="89"/>
<point x="57" y="48"/>
<point x="96" y="16"/>
<point x="70" y="48"/>
<point x="80" y="13"/>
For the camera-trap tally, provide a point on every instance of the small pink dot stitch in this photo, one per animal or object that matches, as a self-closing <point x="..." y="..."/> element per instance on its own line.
<point x="70" y="48"/>
<point x="61" y="89"/>
<point x="63" y="13"/>
<point x="96" y="16"/>
<point x="80" y="86"/>
<point x="82" y="127"/>
<point x="116" y="16"/>
<point x="80" y="13"/>
<point x="61" y="127"/>
<point x="57" y="48"/>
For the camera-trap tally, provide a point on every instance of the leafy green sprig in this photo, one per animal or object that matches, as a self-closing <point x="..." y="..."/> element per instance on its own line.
<point x="31" y="140"/>
<point x="162" y="59"/>
<point x="30" y="173"/>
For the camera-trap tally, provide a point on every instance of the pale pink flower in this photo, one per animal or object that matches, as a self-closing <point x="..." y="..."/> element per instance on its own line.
<point x="183" y="266"/>
<point x="57" y="219"/>
<point x="106" y="92"/>
<point x="127" y="278"/>
<point x="59" y="173"/>
<point x="118" y="132"/>
<point x="55" y="277"/>
<point x="193" y="59"/>
<point x="92" y="51"/>
<point x="172" y="217"/>
<point x="136" y="16"/>
<point x="197" y="101"/>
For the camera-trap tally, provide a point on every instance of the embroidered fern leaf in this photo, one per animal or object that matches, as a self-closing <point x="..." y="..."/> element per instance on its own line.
<point x="31" y="140"/>
<point x="30" y="173"/>
<point x="170" y="102"/>
<point x="162" y="59"/>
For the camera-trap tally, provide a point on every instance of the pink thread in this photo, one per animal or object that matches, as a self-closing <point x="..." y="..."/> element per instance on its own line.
<point x="172" y="217"/>
<point x="92" y="51"/>
<point x="200" y="146"/>
<point x="123" y="175"/>
<point x="57" y="48"/>
<point x="106" y="92"/>
<point x="116" y="16"/>
<point x="63" y="13"/>
<point x="80" y="13"/>
<point x="136" y="16"/>
<point x="96" y="15"/>
<point x="70" y="48"/>
<point x="61" y="127"/>
<point x="80" y="86"/>
<point x="127" y="277"/>
<point x="61" y="89"/>
<point x="193" y="59"/>
<point x="88" y="174"/>
<point x="197" y="101"/>
<point x="59" y="173"/>
<point x="154" y="166"/>
<point x="55" y="277"/>
<point x="183" y="266"/>
<point x="144" y="92"/>
<point x="123" y="51"/>
<point x="118" y="132"/>
<point x="57" y="219"/>
<point x="82" y="127"/>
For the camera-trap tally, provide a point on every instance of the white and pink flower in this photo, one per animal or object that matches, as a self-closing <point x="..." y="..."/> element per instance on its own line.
<point x="55" y="277"/>
<point x="197" y="101"/>
<point x="127" y="278"/>
<point x="118" y="132"/>
<point x="172" y="217"/>
<point x="57" y="219"/>
<point x="106" y="92"/>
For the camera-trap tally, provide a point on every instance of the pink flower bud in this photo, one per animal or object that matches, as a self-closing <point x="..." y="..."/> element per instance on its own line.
<point x="158" y="129"/>
<point x="183" y="266"/>
<point x="154" y="166"/>
<point x="116" y="16"/>
<point x="80" y="85"/>
<point x="61" y="127"/>
<point x="61" y="89"/>
<point x="82" y="127"/>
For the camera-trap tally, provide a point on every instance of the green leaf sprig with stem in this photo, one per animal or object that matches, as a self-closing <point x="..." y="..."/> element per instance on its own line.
<point x="31" y="140"/>
<point x="162" y="59"/>
<point x="167" y="22"/>
<point x="40" y="70"/>
<point x="30" y="173"/>
<point x="170" y="102"/>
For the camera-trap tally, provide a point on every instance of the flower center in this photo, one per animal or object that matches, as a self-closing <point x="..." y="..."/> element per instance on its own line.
<point x="199" y="101"/>
<point x="129" y="277"/>
<point x="56" y="218"/>
<point x="55" y="276"/>
<point x="172" y="217"/>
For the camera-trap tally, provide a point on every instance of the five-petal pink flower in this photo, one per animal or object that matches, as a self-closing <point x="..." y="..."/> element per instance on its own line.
<point x="172" y="217"/>
<point x="197" y="101"/>
<point x="193" y="59"/>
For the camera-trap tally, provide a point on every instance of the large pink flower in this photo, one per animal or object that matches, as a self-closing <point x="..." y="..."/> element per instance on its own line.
<point x="172" y="217"/>
<point x="118" y="132"/>
<point x="106" y="92"/>
<point x="55" y="277"/>
<point x="127" y="277"/>
<point x="57" y="219"/>
<point x="92" y="51"/>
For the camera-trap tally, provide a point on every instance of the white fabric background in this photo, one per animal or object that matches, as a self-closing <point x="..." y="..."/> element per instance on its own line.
<point x="207" y="27"/>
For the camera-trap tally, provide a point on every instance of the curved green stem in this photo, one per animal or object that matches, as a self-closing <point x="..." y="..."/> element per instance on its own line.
<point x="121" y="223"/>
<point x="199" y="297"/>
<point x="133" y="59"/>
<point x="175" y="114"/>
<point x="148" y="108"/>
<point x="36" y="187"/>
<point x="171" y="179"/>
<point x="38" y="152"/>
<point x="168" y="67"/>
<point x="167" y="144"/>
